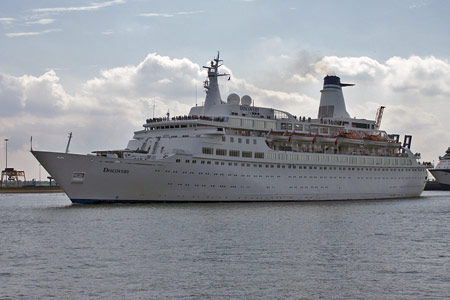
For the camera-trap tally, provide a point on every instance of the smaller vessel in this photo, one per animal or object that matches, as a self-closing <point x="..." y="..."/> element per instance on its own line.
<point x="442" y="171"/>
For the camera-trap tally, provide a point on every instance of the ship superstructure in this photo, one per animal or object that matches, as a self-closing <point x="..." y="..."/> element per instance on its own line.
<point x="442" y="170"/>
<point x="235" y="151"/>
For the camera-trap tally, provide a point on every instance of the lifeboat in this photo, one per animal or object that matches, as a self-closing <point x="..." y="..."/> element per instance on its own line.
<point x="349" y="138"/>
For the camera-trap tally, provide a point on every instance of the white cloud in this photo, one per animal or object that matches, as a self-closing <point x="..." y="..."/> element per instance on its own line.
<point x="7" y="20"/>
<point x="31" y="33"/>
<point x="42" y="22"/>
<point x="169" y="15"/>
<point x="92" y="6"/>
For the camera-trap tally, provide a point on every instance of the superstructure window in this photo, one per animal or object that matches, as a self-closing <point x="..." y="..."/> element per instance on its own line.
<point x="246" y="154"/>
<point x="234" y="153"/>
<point x="206" y="150"/>
<point x="259" y="124"/>
<point x="259" y="154"/>
<point x="360" y="125"/>
<point x="247" y="123"/>
<point x="222" y="152"/>
<point x="286" y="126"/>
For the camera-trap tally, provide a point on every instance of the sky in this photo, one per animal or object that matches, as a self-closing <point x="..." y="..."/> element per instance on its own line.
<point x="99" y="68"/>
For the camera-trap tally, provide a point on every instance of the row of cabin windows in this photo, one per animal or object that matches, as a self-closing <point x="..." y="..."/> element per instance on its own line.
<point x="300" y="167"/>
<point x="233" y="153"/>
<point x="171" y="127"/>
<point x="314" y="158"/>
<point x="239" y="140"/>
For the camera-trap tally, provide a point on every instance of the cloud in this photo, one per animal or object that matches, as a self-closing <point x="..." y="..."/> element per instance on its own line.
<point x="42" y="22"/>
<point x="7" y="20"/>
<point x="31" y="33"/>
<point x="169" y="15"/>
<point x="92" y="6"/>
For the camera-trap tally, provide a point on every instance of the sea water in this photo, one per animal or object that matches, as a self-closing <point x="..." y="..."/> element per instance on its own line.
<point x="389" y="249"/>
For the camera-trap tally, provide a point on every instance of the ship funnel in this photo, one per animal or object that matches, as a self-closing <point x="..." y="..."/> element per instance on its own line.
<point x="332" y="103"/>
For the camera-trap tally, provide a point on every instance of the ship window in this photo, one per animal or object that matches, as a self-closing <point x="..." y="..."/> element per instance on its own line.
<point x="208" y="162"/>
<point x="206" y="150"/>
<point x="231" y="139"/>
<point x="222" y="152"/>
<point x="259" y="124"/>
<point x="271" y="125"/>
<point x="259" y="154"/>
<point x="187" y="161"/>
<point x="286" y="126"/>
<point x="360" y="125"/>
<point x="178" y="160"/>
<point x="234" y="153"/>
<point x="247" y="123"/>
<point x="254" y="142"/>
<point x="223" y="139"/>
<point x="271" y="155"/>
<point x="325" y="159"/>
<point x="247" y="141"/>
<point x="202" y="162"/>
<point x="246" y="154"/>
<point x="194" y="161"/>
<point x="239" y="140"/>
<point x="216" y="163"/>
<point x="324" y="130"/>
<point x="298" y="127"/>
<point x="235" y="122"/>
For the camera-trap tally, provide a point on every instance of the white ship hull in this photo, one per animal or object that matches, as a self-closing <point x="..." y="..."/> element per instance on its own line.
<point x="442" y="171"/>
<point x="443" y="177"/>
<point x="113" y="180"/>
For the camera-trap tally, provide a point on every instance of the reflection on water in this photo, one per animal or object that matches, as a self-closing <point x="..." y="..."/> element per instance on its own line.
<point x="388" y="249"/>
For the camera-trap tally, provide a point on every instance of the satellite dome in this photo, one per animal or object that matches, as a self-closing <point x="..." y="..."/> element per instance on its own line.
<point x="233" y="99"/>
<point x="246" y="100"/>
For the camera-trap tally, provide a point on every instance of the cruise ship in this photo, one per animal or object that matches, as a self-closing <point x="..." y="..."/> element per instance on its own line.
<point x="232" y="150"/>
<point x="442" y="171"/>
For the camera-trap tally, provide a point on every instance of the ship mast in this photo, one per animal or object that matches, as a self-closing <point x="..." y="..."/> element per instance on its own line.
<point x="211" y="84"/>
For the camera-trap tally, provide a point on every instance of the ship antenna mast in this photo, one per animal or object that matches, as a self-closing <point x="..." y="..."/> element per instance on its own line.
<point x="213" y="70"/>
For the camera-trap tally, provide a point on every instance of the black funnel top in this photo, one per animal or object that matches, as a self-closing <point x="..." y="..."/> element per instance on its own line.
<point x="334" y="80"/>
<point x="331" y="80"/>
